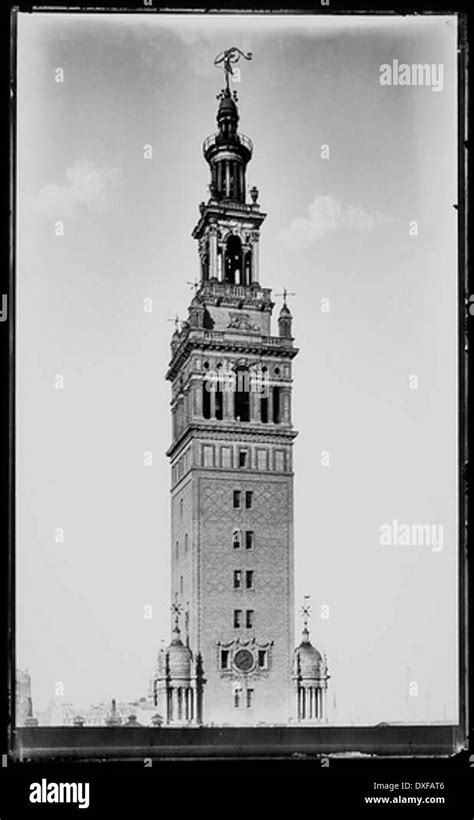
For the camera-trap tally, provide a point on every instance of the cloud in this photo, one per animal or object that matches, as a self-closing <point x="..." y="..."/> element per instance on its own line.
<point x="85" y="187"/>
<point x="325" y="215"/>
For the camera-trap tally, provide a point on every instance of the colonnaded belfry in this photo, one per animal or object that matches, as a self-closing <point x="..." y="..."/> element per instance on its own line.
<point x="232" y="657"/>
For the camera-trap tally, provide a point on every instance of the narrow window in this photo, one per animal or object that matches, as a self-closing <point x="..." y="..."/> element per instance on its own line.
<point x="249" y="579"/>
<point x="262" y="659"/>
<point x="181" y="505"/>
<point x="224" y="658"/>
<point x="206" y="400"/>
<point x="249" y="698"/>
<point x="249" y="540"/>
<point x="219" y="397"/>
<point x="237" y="695"/>
<point x="242" y="395"/>
<point x="264" y="410"/>
<point x="249" y="619"/>
<point x="181" y="584"/>
<point x="237" y="578"/>
<point x="177" y="549"/>
<point x="236" y="499"/>
<point x="243" y="458"/>
<point x="237" y="618"/>
<point x="236" y="539"/>
<point x="276" y="405"/>
<point x="186" y="544"/>
<point x="248" y="499"/>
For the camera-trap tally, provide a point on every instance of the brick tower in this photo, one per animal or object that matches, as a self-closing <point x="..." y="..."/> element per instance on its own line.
<point x="231" y="454"/>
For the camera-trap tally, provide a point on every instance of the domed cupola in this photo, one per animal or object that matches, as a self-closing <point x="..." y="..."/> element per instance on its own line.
<point x="311" y="677"/>
<point x="178" y="683"/>
<point x="179" y="657"/>
<point x="310" y="660"/>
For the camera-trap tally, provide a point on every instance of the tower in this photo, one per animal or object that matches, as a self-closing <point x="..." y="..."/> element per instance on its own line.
<point x="231" y="452"/>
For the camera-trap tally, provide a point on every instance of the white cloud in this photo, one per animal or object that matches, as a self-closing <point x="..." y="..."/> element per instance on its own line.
<point x="85" y="187"/>
<point x="325" y="215"/>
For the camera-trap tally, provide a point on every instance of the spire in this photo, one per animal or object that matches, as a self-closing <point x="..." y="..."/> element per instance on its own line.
<point x="228" y="152"/>
<point x="285" y="318"/>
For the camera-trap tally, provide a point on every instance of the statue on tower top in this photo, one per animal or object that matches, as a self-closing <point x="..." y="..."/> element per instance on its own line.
<point x="228" y="57"/>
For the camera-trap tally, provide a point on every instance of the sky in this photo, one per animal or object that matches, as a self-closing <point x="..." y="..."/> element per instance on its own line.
<point x="375" y="383"/>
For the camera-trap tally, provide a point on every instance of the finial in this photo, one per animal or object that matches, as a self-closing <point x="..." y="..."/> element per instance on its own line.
<point x="306" y="611"/>
<point x="285" y="295"/>
<point x="177" y="609"/>
<point x="194" y="285"/>
<point x="176" y="323"/>
<point x="228" y="57"/>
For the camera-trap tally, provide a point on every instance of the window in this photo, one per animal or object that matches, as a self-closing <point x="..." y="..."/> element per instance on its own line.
<point x="243" y="454"/>
<point x="236" y="499"/>
<point x="249" y="540"/>
<point x="224" y="658"/>
<point x="181" y="584"/>
<point x="237" y="578"/>
<point x="264" y="410"/>
<point x="181" y="505"/>
<point x="276" y="405"/>
<point x="186" y="544"/>
<point x="206" y="399"/>
<point x="249" y="619"/>
<point x="237" y="696"/>
<point x="262" y="658"/>
<point x="249" y="698"/>
<point x="236" y="539"/>
<point x="242" y="395"/>
<point x="177" y="549"/>
<point x="248" y="499"/>
<point x="249" y="579"/>
<point x="237" y="618"/>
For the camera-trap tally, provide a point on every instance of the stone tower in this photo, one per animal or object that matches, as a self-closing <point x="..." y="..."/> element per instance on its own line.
<point x="231" y="455"/>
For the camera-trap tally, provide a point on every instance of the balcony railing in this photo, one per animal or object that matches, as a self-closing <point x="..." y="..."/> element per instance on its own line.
<point x="211" y="140"/>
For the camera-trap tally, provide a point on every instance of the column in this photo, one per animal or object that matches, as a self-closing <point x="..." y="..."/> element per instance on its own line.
<point x="213" y="399"/>
<point x="254" y="401"/>
<point x="212" y="252"/>
<point x="227" y="178"/>
<point x="285" y="405"/>
<point x="254" y="271"/>
<point x="197" y="390"/>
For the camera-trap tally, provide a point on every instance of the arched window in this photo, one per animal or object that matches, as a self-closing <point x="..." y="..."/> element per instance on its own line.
<point x="242" y="394"/>
<point x="233" y="260"/>
<point x="206" y="398"/>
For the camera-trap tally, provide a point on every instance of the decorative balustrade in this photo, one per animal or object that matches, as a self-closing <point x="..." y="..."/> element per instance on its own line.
<point x="211" y="140"/>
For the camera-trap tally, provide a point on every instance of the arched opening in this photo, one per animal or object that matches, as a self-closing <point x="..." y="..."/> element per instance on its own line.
<point x="242" y="395"/>
<point x="233" y="260"/>
<point x="206" y="398"/>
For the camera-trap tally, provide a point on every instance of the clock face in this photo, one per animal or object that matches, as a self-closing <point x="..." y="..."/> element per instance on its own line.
<point x="243" y="660"/>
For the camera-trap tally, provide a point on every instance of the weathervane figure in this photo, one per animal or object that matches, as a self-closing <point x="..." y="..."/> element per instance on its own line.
<point x="228" y="57"/>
